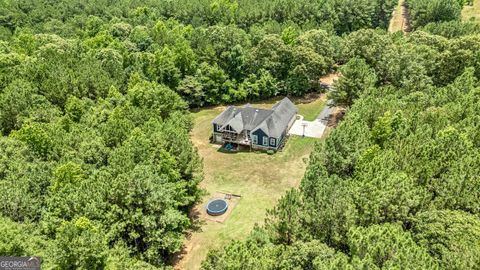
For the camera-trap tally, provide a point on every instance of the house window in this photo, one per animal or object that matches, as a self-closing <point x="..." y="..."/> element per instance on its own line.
<point x="265" y="140"/>
<point x="272" y="141"/>
<point x="254" y="139"/>
<point x="228" y="128"/>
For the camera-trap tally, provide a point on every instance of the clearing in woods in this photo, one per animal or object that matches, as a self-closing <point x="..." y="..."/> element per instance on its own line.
<point x="400" y="18"/>
<point x="260" y="179"/>
<point x="472" y="12"/>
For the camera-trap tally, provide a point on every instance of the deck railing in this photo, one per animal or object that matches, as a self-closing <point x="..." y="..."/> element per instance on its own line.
<point x="236" y="138"/>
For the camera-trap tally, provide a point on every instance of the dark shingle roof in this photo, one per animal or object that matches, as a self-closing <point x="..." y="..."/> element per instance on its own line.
<point x="282" y="113"/>
<point x="226" y="115"/>
<point x="273" y="122"/>
<point x="252" y="117"/>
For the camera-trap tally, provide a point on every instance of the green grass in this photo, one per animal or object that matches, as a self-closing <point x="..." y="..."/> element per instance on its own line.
<point x="260" y="179"/>
<point x="310" y="111"/>
<point x="472" y="12"/>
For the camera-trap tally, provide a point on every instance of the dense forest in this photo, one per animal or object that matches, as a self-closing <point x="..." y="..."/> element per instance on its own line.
<point x="396" y="184"/>
<point x="210" y="52"/>
<point x="97" y="170"/>
<point x="427" y="11"/>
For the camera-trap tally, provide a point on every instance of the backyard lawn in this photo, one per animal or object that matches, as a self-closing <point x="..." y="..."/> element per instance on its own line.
<point x="470" y="12"/>
<point x="259" y="178"/>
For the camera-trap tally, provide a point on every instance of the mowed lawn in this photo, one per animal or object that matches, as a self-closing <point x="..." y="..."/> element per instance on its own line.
<point x="260" y="179"/>
<point x="310" y="110"/>
<point x="470" y="12"/>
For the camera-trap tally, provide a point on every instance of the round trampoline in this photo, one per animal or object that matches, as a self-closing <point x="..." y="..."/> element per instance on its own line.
<point x="217" y="207"/>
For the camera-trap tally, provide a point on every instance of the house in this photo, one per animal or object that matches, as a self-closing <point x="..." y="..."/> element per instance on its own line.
<point x="257" y="128"/>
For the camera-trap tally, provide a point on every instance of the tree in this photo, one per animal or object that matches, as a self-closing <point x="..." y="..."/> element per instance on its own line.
<point x="321" y="42"/>
<point x="452" y="29"/>
<point x="15" y="100"/>
<point x="142" y="210"/>
<point x="157" y="98"/>
<point x="112" y="62"/>
<point x="368" y="44"/>
<point x="225" y="46"/>
<point x="141" y="38"/>
<point x="385" y="127"/>
<point x="382" y="195"/>
<point x="289" y="35"/>
<point x="224" y="10"/>
<point x="191" y="89"/>
<point x="74" y="108"/>
<point x="353" y="15"/>
<point x="356" y="78"/>
<point x="298" y="81"/>
<point x="97" y="170"/>
<point x="36" y="138"/>
<point x="19" y="239"/>
<point x="272" y="55"/>
<point x="386" y="246"/>
<point x="163" y="69"/>
<point x="217" y="87"/>
<point x="424" y="12"/>
<point x="24" y="179"/>
<point x="78" y="243"/>
<point x="260" y="86"/>
<point x="451" y="236"/>
<point x="9" y="63"/>
<point x="284" y="220"/>
<point x="313" y="64"/>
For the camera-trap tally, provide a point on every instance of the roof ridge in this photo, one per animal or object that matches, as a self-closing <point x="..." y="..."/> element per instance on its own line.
<point x="274" y="120"/>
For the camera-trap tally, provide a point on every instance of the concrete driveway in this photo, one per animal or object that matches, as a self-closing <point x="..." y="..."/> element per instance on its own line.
<point x="313" y="129"/>
<point x="316" y="128"/>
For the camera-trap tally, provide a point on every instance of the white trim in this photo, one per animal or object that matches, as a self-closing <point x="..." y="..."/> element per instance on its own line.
<point x="273" y="141"/>
<point x="265" y="141"/>
<point x="254" y="139"/>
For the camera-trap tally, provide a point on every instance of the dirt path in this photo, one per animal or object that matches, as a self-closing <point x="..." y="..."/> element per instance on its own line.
<point x="472" y="12"/>
<point x="401" y="19"/>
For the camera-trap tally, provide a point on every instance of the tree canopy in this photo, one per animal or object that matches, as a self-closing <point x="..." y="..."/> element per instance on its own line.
<point x="395" y="184"/>
<point x="97" y="170"/>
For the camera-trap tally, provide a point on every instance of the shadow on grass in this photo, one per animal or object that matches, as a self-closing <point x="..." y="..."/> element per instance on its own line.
<point x="245" y="150"/>
<point x="230" y="152"/>
<point x="195" y="227"/>
<point x="308" y="98"/>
